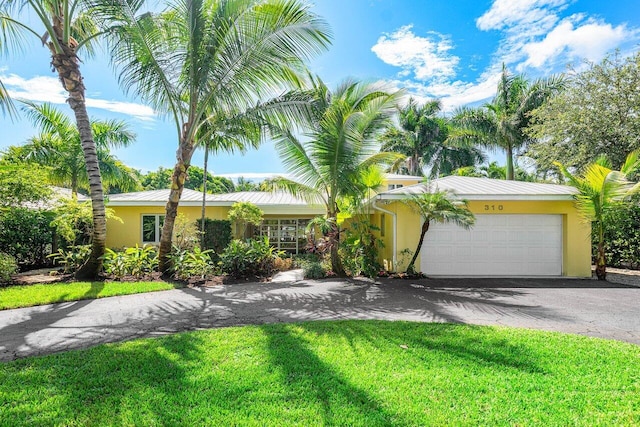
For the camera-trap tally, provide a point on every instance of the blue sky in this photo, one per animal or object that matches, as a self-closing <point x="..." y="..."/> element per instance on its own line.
<point x="447" y="49"/>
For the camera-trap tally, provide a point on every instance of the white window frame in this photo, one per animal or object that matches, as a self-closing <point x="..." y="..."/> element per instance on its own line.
<point x="394" y="186"/>
<point x="158" y="228"/>
<point x="273" y="228"/>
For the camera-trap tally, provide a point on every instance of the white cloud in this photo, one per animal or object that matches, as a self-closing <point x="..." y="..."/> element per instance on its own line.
<point x="49" y="89"/>
<point x="508" y="13"/>
<point x="426" y="57"/>
<point x="590" y="41"/>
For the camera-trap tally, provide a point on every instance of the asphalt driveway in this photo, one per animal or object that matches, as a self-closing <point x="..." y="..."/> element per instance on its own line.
<point x="585" y="307"/>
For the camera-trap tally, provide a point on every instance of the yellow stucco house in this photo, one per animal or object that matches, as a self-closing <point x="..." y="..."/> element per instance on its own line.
<point x="522" y="228"/>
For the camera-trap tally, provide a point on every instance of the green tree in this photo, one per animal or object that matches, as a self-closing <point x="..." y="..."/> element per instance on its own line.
<point x="205" y="59"/>
<point x="58" y="147"/>
<point x="242" y="214"/>
<point x="502" y="122"/>
<point x="599" y="112"/>
<point x="422" y="136"/>
<point x="438" y="207"/>
<point x="339" y="148"/>
<point x="243" y="184"/>
<point x="156" y="180"/>
<point x="601" y="189"/>
<point x="68" y="28"/>
<point x="20" y="184"/>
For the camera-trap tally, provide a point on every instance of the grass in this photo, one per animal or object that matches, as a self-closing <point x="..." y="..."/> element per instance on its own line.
<point x="39" y="294"/>
<point x="355" y="373"/>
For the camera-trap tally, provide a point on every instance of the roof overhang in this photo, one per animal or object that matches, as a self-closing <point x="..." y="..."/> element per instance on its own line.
<point x="472" y="197"/>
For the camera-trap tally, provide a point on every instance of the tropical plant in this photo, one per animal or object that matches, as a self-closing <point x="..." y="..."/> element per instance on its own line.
<point x="20" y="185"/>
<point x="187" y="264"/>
<point x="68" y="28"/>
<point x="6" y="104"/>
<point x="186" y="234"/>
<point x="600" y="190"/>
<point x="58" y="147"/>
<point x="26" y="234"/>
<point x="440" y="207"/>
<point x="73" y="221"/>
<point x="622" y="235"/>
<point x="72" y="258"/>
<point x="422" y="136"/>
<point x="502" y="122"/>
<point x="205" y="59"/>
<point x="217" y="235"/>
<point x="134" y="261"/>
<point x="359" y="248"/>
<point x="340" y="147"/>
<point x="249" y="258"/>
<point x="8" y="267"/>
<point x="242" y="214"/>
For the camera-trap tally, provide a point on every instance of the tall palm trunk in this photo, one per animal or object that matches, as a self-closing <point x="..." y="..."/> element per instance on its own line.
<point x="334" y="236"/>
<point x="66" y="64"/>
<point x="510" y="172"/>
<point x="204" y="196"/>
<point x="411" y="267"/>
<point x="601" y="258"/>
<point x="183" y="155"/>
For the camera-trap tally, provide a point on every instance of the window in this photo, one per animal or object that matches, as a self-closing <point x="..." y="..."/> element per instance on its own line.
<point x="152" y="228"/>
<point x="285" y="234"/>
<point x="394" y="186"/>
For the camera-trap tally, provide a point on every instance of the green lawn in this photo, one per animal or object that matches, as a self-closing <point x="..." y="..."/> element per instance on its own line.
<point x="30" y="295"/>
<point x="355" y="373"/>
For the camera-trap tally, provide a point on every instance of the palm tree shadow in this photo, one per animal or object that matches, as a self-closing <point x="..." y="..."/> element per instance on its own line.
<point x="306" y="374"/>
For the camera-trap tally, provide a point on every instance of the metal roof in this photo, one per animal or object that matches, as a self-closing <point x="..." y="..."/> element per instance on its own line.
<point x="398" y="177"/>
<point x="486" y="189"/>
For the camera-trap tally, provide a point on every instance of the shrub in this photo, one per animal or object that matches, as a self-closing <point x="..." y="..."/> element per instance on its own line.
<point x="217" y="235"/>
<point x="8" y="267"/>
<point x="359" y="249"/>
<point x="253" y="257"/>
<point x="622" y="236"/>
<point x="134" y="261"/>
<point x="26" y="235"/>
<point x="242" y="214"/>
<point x="189" y="264"/>
<point x="314" y="270"/>
<point x="72" y="258"/>
<point x="282" y="264"/>
<point x="186" y="234"/>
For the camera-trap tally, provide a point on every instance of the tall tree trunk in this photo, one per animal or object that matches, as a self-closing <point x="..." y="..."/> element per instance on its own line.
<point x="204" y="196"/>
<point x="334" y="235"/>
<point x="183" y="157"/>
<point x="67" y="66"/>
<point x="601" y="258"/>
<point x="411" y="267"/>
<point x="510" y="172"/>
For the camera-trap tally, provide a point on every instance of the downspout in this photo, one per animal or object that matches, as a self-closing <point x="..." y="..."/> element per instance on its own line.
<point x="394" y="227"/>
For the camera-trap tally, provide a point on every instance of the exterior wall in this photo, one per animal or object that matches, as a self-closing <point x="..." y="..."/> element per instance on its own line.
<point x="129" y="232"/>
<point x="576" y="233"/>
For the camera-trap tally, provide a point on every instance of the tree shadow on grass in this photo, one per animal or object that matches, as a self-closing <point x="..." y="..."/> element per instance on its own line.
<point x="312" y="382"/>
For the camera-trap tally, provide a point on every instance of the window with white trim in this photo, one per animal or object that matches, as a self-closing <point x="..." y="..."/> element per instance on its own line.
<point x="285" y="234"/>
<point x="152" y="228"/>
<point x="394" y="186"/>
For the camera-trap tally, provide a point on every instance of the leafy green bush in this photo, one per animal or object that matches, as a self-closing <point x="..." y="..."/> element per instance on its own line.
<point x="134" y="261"/>
<point x="359" y="249"/>
<point x="250" y="258"/>
<point x="314" y="270"/>
<point x="72" y="258"/>
<point x="8" y="267"/>
<point x="217" y="235"/>
<point x="622" y="236"/>
<point x="186" y="234"/>
<point x="188" y="264"/>
<point x="26" y="234"/>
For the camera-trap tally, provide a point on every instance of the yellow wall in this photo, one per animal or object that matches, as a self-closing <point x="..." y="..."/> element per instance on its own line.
<point x="129" y="233"/>
<point x="576" y="233"/>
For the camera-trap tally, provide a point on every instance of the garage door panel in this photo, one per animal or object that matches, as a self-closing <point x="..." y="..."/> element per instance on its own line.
<point x="498" y="245"/>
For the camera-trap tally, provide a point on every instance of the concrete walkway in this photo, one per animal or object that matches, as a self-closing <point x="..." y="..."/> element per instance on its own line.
<point x="576" y="306"/>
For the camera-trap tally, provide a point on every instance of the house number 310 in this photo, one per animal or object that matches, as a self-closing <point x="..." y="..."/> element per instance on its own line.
<point x="493" y="207"/>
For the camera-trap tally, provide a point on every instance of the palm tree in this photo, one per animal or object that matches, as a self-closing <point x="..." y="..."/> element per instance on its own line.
<point x="422" y="137"/>
<point x="6" y="105"/>
<point x="339" y="149"/>
<point x="214" y="58"/>
<point x="501" y="123"/>
<point x="602" y="189"/>
<point x="59" y="147"/>
<point x="439" y="207"/>
<point x="68" y="28"/>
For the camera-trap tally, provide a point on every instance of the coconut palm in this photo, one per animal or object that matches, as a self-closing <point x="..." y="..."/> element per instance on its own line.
<point x="58" y="146"/>
<point x="338" y="149"/>
<point x="602" y="189"/>
<point x="211" y="58"/>
<point x="501" y="123"/>
<point x="440" y="207"/>
<point x="422" y="136"/>
<point x="6" y="105"/>
<point x="68" y="28"/>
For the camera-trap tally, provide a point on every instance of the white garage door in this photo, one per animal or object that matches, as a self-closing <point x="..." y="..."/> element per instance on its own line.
<point x="497" y="245"/>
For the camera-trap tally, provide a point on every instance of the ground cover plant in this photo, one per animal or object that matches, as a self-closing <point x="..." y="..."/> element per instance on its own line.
<point x="48" y="293"/>
<point x="357" y="373"/>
